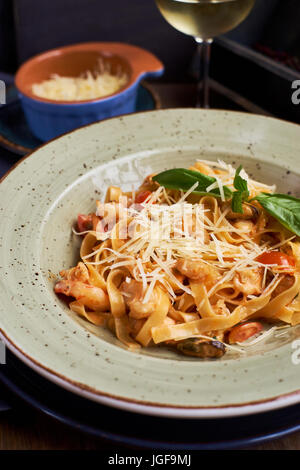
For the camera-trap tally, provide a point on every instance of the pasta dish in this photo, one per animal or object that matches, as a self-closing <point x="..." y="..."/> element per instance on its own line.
<point x="199" y="259"/>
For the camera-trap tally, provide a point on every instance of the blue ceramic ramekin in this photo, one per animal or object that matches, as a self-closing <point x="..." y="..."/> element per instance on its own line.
<point x="48" y="118"/>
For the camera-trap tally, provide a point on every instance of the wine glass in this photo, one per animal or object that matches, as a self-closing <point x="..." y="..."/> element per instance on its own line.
<point x="204" y="19"/>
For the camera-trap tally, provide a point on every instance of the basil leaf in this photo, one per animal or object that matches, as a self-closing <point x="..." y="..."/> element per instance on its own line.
<point x="286" y="209"/>
<point x="242" y="192"/>
<point x="181" y="178"/>
<point x="236" y="203"/>
<point x="240" y="183"/>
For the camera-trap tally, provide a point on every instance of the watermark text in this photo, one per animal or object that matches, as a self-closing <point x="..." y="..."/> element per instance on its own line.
<point x="296" y="93"/>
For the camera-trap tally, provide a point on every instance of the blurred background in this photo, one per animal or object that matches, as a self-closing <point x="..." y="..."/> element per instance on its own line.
<point x="259" y="59"/>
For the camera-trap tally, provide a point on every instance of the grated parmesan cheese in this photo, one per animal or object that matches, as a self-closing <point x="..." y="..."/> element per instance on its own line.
<point x="152" y="244"/>
<point x="87" y="87"/>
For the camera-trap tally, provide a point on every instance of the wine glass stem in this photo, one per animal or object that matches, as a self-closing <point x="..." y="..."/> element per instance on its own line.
<point x="204" y="46"/>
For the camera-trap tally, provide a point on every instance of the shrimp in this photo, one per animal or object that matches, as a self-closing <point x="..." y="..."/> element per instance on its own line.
<point x="78" y="273"/>
<point x="91" y="297"/>
<point x="198" y="271"/>
<point x="249" y="281"/>
<point x="133" y="296"/>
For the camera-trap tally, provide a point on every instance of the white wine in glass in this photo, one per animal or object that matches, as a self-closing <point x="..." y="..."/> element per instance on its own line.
<point x="204" y="20"/>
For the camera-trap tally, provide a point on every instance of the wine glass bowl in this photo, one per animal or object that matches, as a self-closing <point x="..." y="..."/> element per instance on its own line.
<point x="204" y="20"/>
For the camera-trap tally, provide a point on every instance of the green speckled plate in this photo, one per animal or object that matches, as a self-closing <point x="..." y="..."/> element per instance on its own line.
<point x="39" y="201"/>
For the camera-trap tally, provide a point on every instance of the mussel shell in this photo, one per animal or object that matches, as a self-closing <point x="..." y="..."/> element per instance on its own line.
<point x="201" y="348"/>
<point x="249" y="212"/>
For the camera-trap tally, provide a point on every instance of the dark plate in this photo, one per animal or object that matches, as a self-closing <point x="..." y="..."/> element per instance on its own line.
<point x="129" y="429"/>
<point x="16" y="136"/>
<point x="4" y="405"/>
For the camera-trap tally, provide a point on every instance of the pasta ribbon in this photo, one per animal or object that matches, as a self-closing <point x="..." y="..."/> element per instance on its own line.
<point x="117" y="303"/>
<point x="280" y="301"/>
<point x="97" y="318"/>
<point x="163" y="303"/>
<point x="186" y="330"/>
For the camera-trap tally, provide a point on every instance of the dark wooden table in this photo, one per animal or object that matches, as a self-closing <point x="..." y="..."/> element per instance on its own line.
<point x="24" y="428"/>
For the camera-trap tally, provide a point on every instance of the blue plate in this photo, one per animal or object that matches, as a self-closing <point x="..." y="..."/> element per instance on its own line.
<point x="140" y="431"/>
<point x="16" y="136"/>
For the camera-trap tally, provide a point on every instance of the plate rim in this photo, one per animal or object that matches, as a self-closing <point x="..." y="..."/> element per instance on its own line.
<point x="143" y="407"/>
<point x="118" y="437"/>
<point x="159" y="109"/>
<point x="149" y="408"/>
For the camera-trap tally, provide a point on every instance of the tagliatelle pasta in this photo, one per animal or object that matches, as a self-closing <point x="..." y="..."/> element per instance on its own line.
<point x="182" y="268"/>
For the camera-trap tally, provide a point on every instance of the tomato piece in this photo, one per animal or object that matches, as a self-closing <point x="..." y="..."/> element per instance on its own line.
<point x="242" y="332"/>
<point x="141" y="197"/>
<point x="277" y="257"/>
<point x="99" y="225"/>
<point x="84" y="222"/>
<point x="95" y="220"/>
